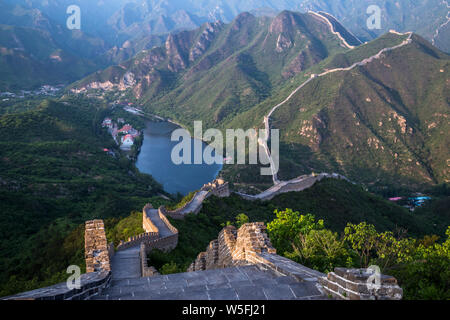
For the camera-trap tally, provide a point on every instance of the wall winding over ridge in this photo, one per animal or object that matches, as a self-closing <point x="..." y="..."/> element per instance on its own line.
<point x="155" y="239"/>
<point x="218" y="188"/>
<point x="250" y="245"/>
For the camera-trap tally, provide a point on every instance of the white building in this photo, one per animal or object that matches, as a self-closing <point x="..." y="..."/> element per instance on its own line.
<point x="127" y="141"/>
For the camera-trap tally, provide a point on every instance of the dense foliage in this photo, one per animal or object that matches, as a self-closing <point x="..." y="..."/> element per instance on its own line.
<point x="422" y="267"/>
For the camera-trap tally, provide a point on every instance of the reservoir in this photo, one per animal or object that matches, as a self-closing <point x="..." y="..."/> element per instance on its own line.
<point x="155" y="159"/>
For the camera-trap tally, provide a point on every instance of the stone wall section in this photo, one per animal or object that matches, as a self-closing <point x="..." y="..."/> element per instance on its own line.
<point x="218" y="188"/>
<point x="226" y="245"/>
<point x="146" y="271"/>
<point x="250" y="245"/>
<point x="234" y="247"/>
<point x="354" y="284"/>
<point x="212" y="255"/>
<point x="97" y="252"/>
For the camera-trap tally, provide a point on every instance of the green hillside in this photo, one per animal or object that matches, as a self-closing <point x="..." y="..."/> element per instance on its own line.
<point x="382" y="124"/>
<point x="30" y="58"/>
<point x="401" y="15"/>
<point x="218" y="71"/>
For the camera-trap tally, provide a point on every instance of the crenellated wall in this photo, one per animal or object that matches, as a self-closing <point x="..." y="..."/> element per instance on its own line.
<point x="147" y="224"/>
<point x="218" y="188"/>
<point x="136" y="240"/>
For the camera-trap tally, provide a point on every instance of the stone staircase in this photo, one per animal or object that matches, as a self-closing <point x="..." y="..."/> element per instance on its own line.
<point x="233" y="283"/>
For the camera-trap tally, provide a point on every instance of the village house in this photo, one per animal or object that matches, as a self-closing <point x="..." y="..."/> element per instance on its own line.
<point x="127" y="141"/>
<point x="128" y="129"/>
<point x="107" y="123"/>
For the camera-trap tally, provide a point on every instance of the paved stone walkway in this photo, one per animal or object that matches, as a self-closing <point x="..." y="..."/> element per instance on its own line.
<point x="235" y="283"/>
<point x="164" y="231"/>
<point x="126" y="264"/>
<point x="196" y="202"/>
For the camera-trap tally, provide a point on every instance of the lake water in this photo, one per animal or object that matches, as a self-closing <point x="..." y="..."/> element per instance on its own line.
<point x="155" y="159"/>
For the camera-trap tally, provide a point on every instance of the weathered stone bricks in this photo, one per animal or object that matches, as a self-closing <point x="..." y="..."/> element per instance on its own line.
<point x="235" y="247"/>
<point x="359" y="284"/>
<point x="97" y="252"/>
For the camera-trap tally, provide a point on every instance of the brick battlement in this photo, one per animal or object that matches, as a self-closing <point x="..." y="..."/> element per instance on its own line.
<point x="218" y="188"/>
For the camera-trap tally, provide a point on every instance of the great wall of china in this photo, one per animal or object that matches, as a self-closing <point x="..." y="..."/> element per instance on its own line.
<point x="240" y="264"/>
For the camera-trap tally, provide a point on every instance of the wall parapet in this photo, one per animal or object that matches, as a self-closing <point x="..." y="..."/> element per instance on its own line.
<point x="135" y="240"/>
<point x="218" y="187"/>
<point x="90" y="284"/>
<point x="358" y="284"/>
<point x="166" y="221"/>
<point x="147" y="223"/>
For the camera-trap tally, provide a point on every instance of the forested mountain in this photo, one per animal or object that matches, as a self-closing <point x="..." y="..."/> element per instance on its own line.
<point x="391" y="110"/>
<point x="219" y="70"/>
<point x="383" y="123"/>
<point x="55" y="175"/>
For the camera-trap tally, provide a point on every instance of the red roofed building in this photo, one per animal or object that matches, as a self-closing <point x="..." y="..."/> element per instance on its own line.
<point x="128" y="140"/>
<point x="126" y="128"/>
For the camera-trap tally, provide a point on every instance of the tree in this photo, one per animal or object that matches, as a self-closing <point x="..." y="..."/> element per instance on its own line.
<point x="427" y="275"/>
<point x="321" y="250"/>
<point x="170" y="267"/>
<point x="241" y="219"/>
<point x="391" y="251"/>
<point x="362" y="239"/>
<point x="288" y="225"/>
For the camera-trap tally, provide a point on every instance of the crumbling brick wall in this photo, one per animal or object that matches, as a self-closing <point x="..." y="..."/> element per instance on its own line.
<point x="95" y="247"/>
<point x="234" y="247"/>
<point x="360" y="284"/>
